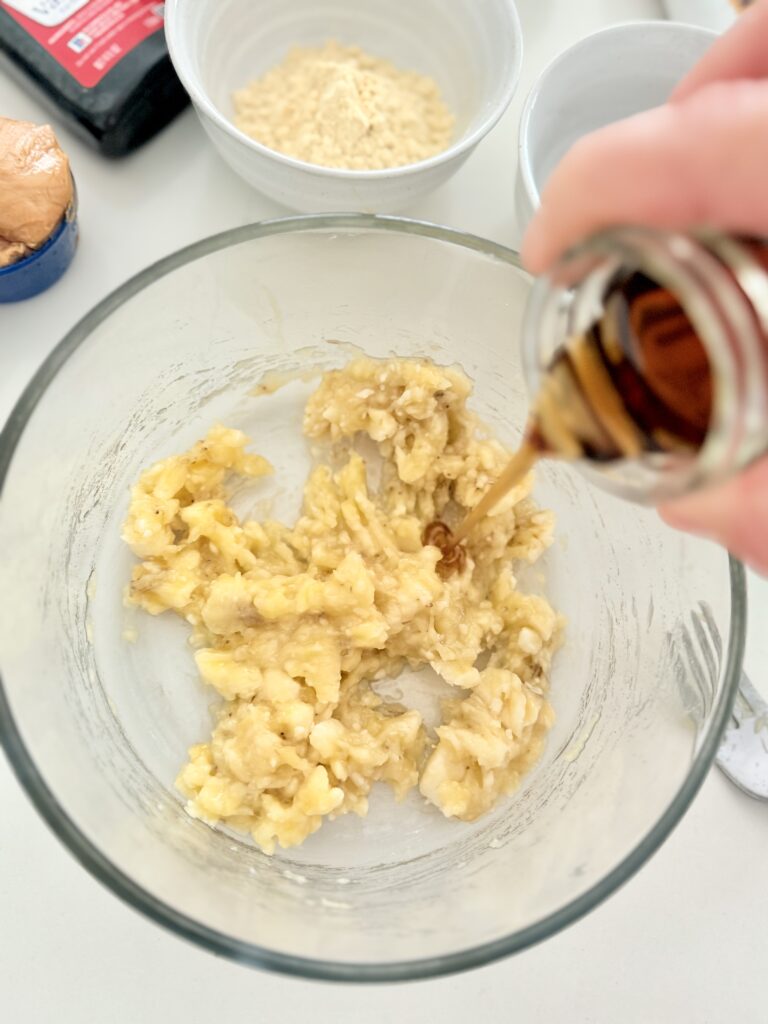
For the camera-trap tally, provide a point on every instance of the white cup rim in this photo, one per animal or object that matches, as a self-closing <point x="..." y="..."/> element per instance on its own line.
<point x="658" y="25"/>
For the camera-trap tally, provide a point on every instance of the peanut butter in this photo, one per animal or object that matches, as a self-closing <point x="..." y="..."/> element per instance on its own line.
<point x="35" y="187"/>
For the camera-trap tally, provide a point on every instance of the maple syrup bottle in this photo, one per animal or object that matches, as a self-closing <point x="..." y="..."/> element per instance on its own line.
<point x="646" y="357"/>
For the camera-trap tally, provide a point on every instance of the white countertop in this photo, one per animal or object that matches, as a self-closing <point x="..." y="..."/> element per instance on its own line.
<point x="685" y="941"/>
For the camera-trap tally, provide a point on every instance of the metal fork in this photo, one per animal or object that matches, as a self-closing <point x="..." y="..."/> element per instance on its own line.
<point x="743" y="751"/>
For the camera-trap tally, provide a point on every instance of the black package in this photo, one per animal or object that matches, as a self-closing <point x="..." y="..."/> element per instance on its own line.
<point x="103" y="63"/>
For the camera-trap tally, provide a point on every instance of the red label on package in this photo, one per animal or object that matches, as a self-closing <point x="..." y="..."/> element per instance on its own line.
<point x="87" y="37"/>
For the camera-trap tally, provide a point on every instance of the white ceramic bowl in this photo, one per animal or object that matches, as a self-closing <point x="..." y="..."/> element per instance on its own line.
<point x="472" y="48"/>
<point x="605" y="77"/>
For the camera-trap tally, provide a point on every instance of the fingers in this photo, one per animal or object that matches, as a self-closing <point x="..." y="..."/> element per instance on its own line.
<point x="735" y="514"/>
<point x="701" y="161"/>
<point x="742" y="52"/>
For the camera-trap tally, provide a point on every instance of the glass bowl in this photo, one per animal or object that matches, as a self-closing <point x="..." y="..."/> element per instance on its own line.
<point x="97" y="726"/>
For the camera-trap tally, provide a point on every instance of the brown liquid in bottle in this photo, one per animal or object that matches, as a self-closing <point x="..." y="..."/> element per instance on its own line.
<point x="638" y="382"/>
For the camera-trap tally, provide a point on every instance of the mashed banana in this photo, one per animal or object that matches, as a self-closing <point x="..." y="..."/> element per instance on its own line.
<point x="293" y="625"/>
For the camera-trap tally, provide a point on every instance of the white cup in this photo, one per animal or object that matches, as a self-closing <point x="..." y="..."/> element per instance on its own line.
<point x="605" y="77"/>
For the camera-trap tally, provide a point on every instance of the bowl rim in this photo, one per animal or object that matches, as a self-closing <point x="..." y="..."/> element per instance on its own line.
<point x="462" y="145"/>
<point x="653" y="27"/>
<point x="91" y="857"/>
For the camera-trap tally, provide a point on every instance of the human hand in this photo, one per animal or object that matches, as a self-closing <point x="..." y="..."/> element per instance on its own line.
<point x="699" y="160"/>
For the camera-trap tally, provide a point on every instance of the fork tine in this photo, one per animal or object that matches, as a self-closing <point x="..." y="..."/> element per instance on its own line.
<point x="749" y="695"/>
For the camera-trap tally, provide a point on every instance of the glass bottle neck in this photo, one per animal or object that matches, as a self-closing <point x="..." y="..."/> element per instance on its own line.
<point x="721" y="285"/>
